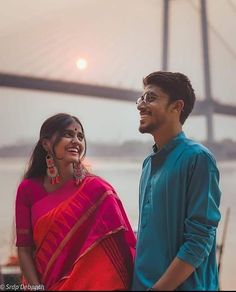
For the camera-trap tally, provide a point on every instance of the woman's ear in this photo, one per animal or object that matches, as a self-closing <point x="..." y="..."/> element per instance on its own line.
<point x="46" y="145"/>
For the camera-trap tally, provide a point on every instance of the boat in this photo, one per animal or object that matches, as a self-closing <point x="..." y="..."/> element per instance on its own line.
<point x="10" y="273"/>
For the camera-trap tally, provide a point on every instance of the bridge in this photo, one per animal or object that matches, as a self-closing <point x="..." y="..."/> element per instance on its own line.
<point x="207" y="107"/>
<point x="59" y="86"/>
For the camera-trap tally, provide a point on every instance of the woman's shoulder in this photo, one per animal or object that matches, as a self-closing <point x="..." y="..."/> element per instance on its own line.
<point x="28" y="190"/>
<point x="28" y="185"/>
<point x="28" y="182"/>
<point x="99" y="183"/>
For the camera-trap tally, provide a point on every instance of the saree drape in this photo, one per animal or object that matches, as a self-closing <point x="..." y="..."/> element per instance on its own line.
<point x="83" y="238"/>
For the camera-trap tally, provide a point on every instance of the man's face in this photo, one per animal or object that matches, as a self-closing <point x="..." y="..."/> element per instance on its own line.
<point x="155" y="112"/>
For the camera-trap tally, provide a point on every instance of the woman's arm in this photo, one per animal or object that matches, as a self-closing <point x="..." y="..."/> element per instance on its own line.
<point x="27" y="265"/>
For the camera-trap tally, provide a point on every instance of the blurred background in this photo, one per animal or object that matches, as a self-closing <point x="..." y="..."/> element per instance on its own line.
<point x="88" y="58"/>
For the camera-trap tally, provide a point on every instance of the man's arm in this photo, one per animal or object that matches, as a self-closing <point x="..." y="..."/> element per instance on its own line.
<point x="177" y="272"/>
<point x="200" y="224"/>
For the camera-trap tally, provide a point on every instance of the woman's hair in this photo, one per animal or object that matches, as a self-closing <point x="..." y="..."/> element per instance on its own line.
<point x="54" y="125"/>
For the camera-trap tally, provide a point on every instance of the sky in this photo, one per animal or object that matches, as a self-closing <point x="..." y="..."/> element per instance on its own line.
<point x="121" y="40"/>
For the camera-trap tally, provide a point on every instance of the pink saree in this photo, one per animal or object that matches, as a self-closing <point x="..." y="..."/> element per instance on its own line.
<point x="83" y="238"/>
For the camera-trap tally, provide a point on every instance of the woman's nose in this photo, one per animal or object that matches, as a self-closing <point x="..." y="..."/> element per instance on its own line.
<point x="76" y="140"/>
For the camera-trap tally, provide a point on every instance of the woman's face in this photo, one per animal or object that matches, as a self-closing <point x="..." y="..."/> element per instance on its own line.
<point x="71" y="145"/>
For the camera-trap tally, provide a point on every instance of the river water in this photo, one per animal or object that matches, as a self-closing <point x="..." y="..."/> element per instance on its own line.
<point x="124" y="175"/>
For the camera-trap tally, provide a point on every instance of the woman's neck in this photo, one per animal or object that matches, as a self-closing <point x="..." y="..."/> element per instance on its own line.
<point x="65" y="171"/>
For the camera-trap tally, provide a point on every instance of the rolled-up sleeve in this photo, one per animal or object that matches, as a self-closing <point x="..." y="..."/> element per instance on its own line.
<point x="203" y="215"/>
<point x="23" y="216"/>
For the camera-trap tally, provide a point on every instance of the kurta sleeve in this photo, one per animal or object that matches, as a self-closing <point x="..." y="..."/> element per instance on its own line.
<point x="23" y="215"/>
<point x="203" y="215"/>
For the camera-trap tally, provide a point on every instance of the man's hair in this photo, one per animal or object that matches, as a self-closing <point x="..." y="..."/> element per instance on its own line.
<point x="177" y="86"/>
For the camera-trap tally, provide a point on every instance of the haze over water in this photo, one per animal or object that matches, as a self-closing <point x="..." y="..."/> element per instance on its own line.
<point x="123" y="174"/>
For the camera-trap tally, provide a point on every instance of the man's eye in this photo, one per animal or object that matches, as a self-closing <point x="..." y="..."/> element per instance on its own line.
<point x="150" y="97"/>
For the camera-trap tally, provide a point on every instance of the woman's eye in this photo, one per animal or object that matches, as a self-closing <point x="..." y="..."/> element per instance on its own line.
<point x="67" y="135"/>
<point x="81" y="137"/>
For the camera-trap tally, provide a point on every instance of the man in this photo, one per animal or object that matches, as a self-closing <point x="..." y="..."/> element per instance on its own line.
<point x="179" y="194"/>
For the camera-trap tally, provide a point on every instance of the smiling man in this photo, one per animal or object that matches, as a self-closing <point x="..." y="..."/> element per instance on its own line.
<point x="179" y="194"/>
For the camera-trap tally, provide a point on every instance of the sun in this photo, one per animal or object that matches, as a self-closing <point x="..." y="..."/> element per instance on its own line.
<point x="81" y="63"/>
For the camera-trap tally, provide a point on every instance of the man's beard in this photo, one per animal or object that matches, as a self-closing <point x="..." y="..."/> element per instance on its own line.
<point x="147" y="129"/>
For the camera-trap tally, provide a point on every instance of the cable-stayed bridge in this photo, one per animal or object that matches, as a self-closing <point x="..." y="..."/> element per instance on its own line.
<point x="39" y="55"/>
<point x="75" y="88"/>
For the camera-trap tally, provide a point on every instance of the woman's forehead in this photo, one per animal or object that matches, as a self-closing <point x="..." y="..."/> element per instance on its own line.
<point x="75" y="126"/>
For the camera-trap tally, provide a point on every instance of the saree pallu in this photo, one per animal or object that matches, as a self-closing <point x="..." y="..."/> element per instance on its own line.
<point x="83" y="238"/>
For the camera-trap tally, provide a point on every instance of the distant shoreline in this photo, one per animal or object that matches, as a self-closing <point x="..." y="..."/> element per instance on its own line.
<point x="108" y="159"/>
<point x="129" y="150"/>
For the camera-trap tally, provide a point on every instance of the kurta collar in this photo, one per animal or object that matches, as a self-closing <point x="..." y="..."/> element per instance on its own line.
<point x="170" y="145"/>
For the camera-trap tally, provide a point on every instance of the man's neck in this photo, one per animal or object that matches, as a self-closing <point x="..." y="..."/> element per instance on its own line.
<point x="164" y="135"/>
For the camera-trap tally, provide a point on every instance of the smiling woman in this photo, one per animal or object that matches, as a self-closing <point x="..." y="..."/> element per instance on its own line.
<point x="72" y="230"/>
<point x="66" y="147"/>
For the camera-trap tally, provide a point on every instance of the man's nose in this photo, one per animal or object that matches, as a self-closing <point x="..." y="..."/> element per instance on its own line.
<point x="141" y="105"/>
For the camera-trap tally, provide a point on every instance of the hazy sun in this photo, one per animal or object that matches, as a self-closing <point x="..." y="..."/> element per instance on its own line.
<point x="81" y="64"/>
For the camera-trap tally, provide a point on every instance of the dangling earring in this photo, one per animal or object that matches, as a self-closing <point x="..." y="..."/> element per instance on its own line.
<point x="79" y="172"/>
<point x="52" y="170"/>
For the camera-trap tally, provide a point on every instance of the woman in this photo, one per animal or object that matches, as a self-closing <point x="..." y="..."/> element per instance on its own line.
<point x="72" y="230"/>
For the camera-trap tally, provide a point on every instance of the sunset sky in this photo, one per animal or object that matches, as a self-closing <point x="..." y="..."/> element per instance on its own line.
<point x="121" y="42"/>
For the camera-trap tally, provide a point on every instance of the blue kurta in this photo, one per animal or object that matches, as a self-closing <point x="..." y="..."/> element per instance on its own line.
<point x="178" y="214"/>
